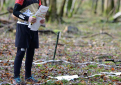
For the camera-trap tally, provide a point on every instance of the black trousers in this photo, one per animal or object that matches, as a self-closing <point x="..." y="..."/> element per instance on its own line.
<point x="28" y="62"/>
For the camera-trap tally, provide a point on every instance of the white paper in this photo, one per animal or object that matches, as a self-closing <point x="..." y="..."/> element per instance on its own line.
<point x="40" y="14"/>
<point x="42" y="11"/>
<point x="36" y="25"/>
<point x="67" y="77"/>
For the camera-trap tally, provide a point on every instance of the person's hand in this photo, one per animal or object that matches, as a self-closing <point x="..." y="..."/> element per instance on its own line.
<point x="32" y="19"/>
<point x="42" y="21"/>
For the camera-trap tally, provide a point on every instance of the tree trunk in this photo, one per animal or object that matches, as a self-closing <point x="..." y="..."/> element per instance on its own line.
<point x="44" y="2"/>
<point x="93" y="1"/>
<point x="96" y="4"/>
<point x="109" y="6"/>
<point x="52" y="11"/>
<point x="48" y="2"/>
<point x="62" y="10"/>
<point x="102" y="6"/>
<point x="68" y="6"/>
<point x="72" y="8"/>
<point x="117" y="6"/>
<point x="78" y="6"/>
<point x="1" y="4"/>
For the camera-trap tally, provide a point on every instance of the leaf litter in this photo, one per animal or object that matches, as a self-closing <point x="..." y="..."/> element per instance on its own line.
<point x="77" y="55"/>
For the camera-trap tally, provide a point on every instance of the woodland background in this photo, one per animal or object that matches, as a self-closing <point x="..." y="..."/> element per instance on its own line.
<point x="89" y="46"/>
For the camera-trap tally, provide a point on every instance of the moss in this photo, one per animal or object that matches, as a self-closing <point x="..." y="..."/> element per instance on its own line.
<point x="97" y="76"/>
<point x="115" y="78"/>
<point x="56" y="31"/>
<point x="92" y="66"/>
<point x="39" y="65"/>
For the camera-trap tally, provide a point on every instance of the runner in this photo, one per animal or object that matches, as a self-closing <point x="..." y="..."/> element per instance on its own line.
<point x="26" y="40"/>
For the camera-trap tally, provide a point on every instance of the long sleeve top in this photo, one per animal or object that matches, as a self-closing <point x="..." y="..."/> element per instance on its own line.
<point x="25" y="8"/>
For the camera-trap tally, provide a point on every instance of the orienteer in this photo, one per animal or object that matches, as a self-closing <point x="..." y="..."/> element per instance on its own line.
<point x="26" y="39"/>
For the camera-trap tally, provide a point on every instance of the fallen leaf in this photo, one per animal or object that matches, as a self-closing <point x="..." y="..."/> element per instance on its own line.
<point x="112" y="69"/>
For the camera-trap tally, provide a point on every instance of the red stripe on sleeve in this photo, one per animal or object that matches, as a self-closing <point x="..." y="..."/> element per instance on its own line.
<point x="19" y="2"/>
<point x="39" y="2"/>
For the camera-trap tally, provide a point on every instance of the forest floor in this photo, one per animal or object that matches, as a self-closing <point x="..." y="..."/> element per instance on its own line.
<point x="81" y="54"/>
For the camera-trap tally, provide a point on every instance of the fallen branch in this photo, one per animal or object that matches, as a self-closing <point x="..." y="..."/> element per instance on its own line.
<point x="75" y="64"/>
<point x="60" y="44"/>
<point x="114" y="61"/>
<point x="48" y="44"/>
<point x="10" y="10"/>
<point x="5" y="83"/>
<point x="4" y="13"/>
<point x="105" y="74"/>
<point x="49" y="61"/>
<point x="63" y="61"/>
<point x="46" y="32"/>
<point x="9" y="26"/>
<point x="5" y="21"/>
<point x="99" y="34"/>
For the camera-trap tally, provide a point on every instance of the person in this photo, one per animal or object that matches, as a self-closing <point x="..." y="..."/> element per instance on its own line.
<point x="26" y="39"/>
